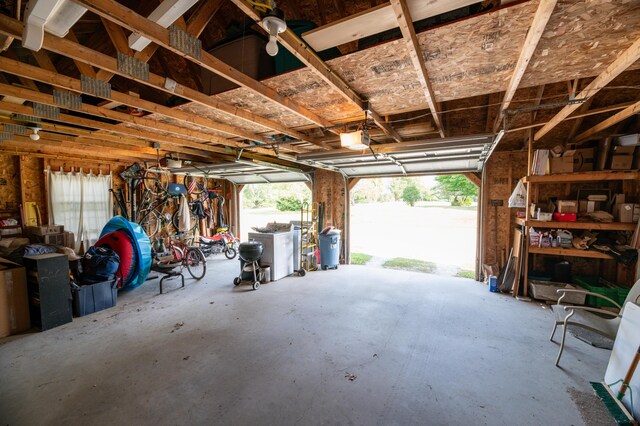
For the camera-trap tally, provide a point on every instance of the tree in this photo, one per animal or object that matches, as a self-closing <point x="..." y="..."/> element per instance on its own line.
<point x="411" y="194"/>
<point x="456" y="188"/>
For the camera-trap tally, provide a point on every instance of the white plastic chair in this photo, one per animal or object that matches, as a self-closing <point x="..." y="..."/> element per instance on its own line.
<point x="605" y="324"/>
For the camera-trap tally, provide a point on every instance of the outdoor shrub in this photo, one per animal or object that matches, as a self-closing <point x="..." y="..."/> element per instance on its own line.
<point x="289" y="203"/>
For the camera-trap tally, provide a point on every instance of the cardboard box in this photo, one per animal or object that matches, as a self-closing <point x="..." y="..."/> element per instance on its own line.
<point x="69" y="239"/>
<point x="14" y="299"/>
<point x="588" y="206"/>
<point x="567" y="206"/>
<point x="45" y="230"/>
<point x="623" y="150"/>
<point x="53" y="239"/>
<point x="626" y="212"/>
<point x="621" y="162"/>
<point x="561" y="165"/>
<point x="583" y="159"/>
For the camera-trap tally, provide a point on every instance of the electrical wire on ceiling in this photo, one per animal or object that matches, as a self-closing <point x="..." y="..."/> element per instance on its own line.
<point x="428" y="114"/>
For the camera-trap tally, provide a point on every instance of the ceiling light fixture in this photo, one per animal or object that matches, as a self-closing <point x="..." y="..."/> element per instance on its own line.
<point x="275" y="24"/>
<point x="35" y="136"/>
<point x="355" y="140"/>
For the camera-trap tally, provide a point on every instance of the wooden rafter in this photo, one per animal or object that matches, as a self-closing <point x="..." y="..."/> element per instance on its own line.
<point x="417" y="58"/>
<point x="308" y="57"/>
<point x="198" y="21"/>
<point x="21" y="69"/>
<point x="614" y="119"/>
<point x="85" y="69"/>
<point x="100" y="138"/>
<point x="628" y="57"/>
<point x="9" y="26"/>
<point x="591" y="112"/>
<point x="102" y="112"/>
<point x="117" y="36"/>
<point x="540" y="19"/>
<point x="127" y="18"/>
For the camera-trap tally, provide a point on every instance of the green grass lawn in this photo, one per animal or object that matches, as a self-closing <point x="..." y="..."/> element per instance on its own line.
<point x="360" y="258"/>
<point x="405" y="264"/>
<point x="466" y="274"/>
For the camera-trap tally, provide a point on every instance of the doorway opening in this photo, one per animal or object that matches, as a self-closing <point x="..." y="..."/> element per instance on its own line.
<point x="264" y="203"/>
<point x="425" y="224"/>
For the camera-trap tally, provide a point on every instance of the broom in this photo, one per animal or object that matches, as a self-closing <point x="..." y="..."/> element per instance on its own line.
<point x="612" y="402"/>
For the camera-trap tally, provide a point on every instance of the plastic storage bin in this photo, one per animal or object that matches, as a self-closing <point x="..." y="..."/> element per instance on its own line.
<point x="88" y="299"/>
<point x="547" y="290"/>
<point x="599" y="285"/>
<point x="329" y="250"/>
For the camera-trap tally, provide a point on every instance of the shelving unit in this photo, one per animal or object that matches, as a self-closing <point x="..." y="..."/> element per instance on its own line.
<point x="532" y="182"/>
<point x="11" y="231"/>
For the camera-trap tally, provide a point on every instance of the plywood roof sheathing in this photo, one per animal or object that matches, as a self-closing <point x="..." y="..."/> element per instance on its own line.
<point x="539" y="23"/>
<point x="626" y="59"/>
<point x="135" y="22"/>
<point x="415" y="53"/>
<point x="308" y="57"/>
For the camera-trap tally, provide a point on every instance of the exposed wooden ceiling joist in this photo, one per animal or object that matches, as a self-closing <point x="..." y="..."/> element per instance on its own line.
<point x="21" y="69"/>
<point x="101" y="139"/>
<point x="539" y="23"/>
<point x="198" y="21"/>
<point x="102" y="112"/>
<point x="76" y="51"/>
<point x="415" y="53"/>
<point x="626" y="59"/>
<point x="613" y="120"/>
<point x="135" y="22"/>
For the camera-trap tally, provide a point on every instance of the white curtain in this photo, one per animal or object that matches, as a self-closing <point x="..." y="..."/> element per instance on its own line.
<point x="81" y="202"/>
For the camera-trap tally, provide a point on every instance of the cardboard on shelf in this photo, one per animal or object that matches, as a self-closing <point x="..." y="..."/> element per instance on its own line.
<point x="561" y="165"/>
<point x="14" y="300"/>
<point x="567" y="206"/>
<point x="626" y="212"/>
<point x="621" y="162"/>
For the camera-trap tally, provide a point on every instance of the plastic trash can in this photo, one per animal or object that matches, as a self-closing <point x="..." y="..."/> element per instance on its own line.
<point x="329" y="250"/>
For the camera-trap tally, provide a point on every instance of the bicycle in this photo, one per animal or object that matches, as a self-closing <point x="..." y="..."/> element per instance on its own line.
<point x="156" y="179"/>
<point x="188" y="256"/>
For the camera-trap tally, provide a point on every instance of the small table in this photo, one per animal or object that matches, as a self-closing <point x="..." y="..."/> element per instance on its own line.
<point x="168" y="274"/>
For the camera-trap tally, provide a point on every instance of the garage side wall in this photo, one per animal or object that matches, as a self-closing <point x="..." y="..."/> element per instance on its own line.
<point x="329" y="188"/>
<point x="503" y="171"/>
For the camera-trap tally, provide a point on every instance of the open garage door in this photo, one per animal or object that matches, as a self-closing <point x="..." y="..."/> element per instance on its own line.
<point x="247" y="172"/>
<point x="431" y="156"/>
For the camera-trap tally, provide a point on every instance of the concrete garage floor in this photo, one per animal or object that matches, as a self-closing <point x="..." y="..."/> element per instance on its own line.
<point x="357" y="346"/>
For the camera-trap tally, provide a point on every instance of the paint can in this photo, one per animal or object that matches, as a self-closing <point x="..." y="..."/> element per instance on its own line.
<point x="493" y="284"/>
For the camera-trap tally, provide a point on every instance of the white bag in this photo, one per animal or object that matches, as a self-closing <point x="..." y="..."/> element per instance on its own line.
<point x="519" y="196"/>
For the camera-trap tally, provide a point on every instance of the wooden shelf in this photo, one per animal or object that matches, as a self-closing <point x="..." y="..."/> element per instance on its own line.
<point x="605" y="175"/>
<point x="611" y="226"/>
<point x="554" y="251"/>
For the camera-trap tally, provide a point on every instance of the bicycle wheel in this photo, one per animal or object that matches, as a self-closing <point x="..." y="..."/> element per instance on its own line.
<point x="192" y="221"/>
<point x="151" y="224"/>
<point x="156" y="181"/>
<point x="196" y="263"/>
<point x="195" y="184"/>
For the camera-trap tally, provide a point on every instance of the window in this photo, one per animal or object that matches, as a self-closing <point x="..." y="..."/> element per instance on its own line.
<point x="81" y="202"/>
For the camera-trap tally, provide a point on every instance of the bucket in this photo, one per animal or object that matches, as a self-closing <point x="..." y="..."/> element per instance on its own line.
<point x="265" y="275"/>
<point x="493" y="284"/>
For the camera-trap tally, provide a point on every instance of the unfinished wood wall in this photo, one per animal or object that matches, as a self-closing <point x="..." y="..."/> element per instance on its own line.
<point x="9" y="178"/>
<point x="329" y="188"/>
<point x="503" y="171"/>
